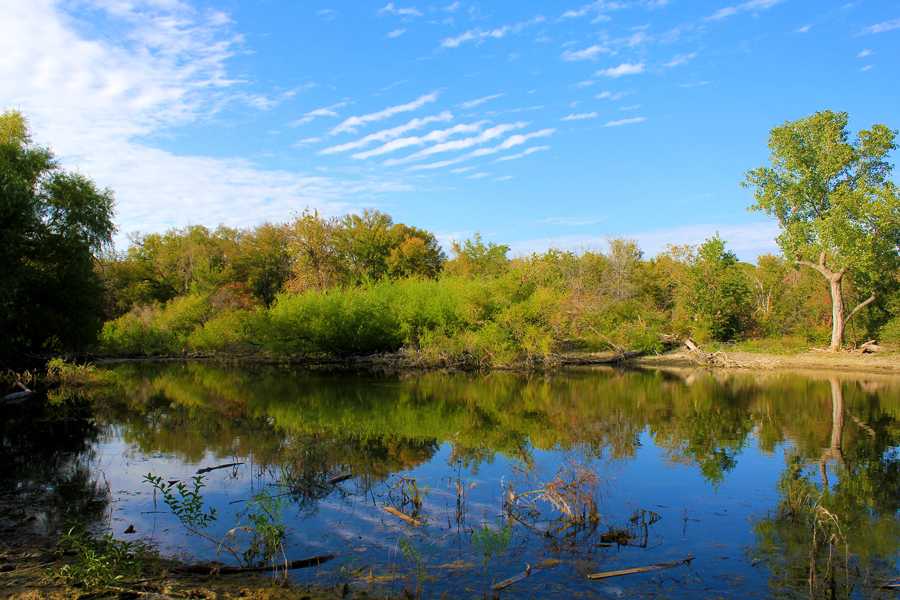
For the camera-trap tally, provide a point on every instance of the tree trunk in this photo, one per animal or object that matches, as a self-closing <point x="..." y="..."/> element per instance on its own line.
<point x="838" y="319"/>
<point x="837" y="312"/>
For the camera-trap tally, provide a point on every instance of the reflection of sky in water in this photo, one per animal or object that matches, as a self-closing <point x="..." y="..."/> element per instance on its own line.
<point x="691" y="450"/>
<point x="710" y="522"/>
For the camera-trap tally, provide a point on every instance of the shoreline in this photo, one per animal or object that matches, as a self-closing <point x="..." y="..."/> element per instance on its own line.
<point x="885" y="363"/>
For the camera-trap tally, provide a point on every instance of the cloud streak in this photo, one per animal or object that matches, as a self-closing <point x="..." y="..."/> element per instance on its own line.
<point x="351" y="124"/>
<point x="621" y="70"/>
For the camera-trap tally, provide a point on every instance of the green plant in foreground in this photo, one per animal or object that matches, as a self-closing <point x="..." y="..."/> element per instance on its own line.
<point x="412" y="554"/>
<point x="490" y="543"/>
<point x="266" y="528"/>
<point x="104" y="561"/>
<point x="187" y="505"/>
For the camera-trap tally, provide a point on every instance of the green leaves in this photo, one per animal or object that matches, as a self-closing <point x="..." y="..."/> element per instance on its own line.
<point x="187" y="505"/>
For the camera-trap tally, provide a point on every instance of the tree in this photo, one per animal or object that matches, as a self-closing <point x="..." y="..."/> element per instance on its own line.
<point x="52" y="226"/>
<point x="716" y="291"/>
<point x="475" y="258"/>
<point x="838" y="210"/>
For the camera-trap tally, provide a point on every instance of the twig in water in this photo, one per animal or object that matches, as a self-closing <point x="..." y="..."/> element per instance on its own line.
<point x="644" y="569"/>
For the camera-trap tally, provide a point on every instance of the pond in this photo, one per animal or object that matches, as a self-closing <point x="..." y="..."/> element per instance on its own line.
<point x="751" y="483"/>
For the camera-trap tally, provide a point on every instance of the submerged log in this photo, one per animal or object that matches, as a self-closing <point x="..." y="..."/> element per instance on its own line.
<point x="502" y="585"/>
<point x="400" y="515"/>
<point x="644" y="569"/>
<point x="216" y="569"/>
<point x="208" y="469"/>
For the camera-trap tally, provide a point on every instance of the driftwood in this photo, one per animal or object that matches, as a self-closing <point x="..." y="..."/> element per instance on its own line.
<point x="216" y="569"/>
<point x="339" y="478"/>
<point x="869" y="347"/>
<point x="23" y="393"/>
<point x="644" y="569"/>
<point x="208" y="469"/>
<point x="502" y="585"/>
<point x="400" y="515"/>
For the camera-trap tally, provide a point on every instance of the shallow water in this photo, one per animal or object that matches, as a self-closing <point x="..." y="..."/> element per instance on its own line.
<point x="572" y="473"/>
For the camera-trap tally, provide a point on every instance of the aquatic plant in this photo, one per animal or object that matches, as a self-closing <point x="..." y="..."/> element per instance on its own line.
<point x="104" y="561"/>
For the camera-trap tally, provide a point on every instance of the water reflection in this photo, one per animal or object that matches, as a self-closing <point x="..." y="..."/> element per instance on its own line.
<point x="735" y="469"/>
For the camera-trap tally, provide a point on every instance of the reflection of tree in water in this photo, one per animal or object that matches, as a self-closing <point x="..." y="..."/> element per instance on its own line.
<point x="838" y="535"/>
<point x="46" y="482"/>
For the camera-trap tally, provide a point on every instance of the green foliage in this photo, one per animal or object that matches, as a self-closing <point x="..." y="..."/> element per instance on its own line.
<point x="474" y="258"/>
<point x="490" y="543"/>
<point x="52" y="224"/>
<point x="263" y="513"/>
<point x="717" y="293"/>
<point x="185" y="502"/>
<point x="104" y="561"/>
<point x="838" y="209"/>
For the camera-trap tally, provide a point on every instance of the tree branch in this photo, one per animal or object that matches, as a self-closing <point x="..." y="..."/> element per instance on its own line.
<point x="818" y="267"/>
<point x="860" y="306"/>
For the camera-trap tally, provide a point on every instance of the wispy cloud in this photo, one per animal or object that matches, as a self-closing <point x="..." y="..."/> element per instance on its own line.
<point x="680" y="59"/>
<point x="456" y="145"/>
<point x="167" y="69"/>
<point x="864" y="53"/>
<point x="504" y="178"/>
<point x="867" y="68"/>
<point x="325" y="111"/>
<point x="352" y="123"/>
<point x="621" y="70"/>
<point x="396" y="33"/>
<point x="882" y="27"/>
<point x="479" y="175"/>
<point x="479" y="101"/>
<point x="589" y="53"/>
<point x="327" y="14"/>
<point x="749" y="6"/>
<point x="480" y="35"/>
<point x="391" y="9"/>
<point x="596" y="8"/>
<point x="803" y="29"/>
<point x="608" y="95"/>
<point x="452" y="7"/>
<point x="389" y="134"/>
<point x="436" y="136"/>
<point x="523" y="154"/>
<point x="309" y="141"/>
<point x="580" y="116"/>
<point x="621" y="122"/>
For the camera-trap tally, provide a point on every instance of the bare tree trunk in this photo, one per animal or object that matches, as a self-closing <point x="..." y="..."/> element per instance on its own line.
<point x="837" y="312"/>
<point x="838" y="319"/>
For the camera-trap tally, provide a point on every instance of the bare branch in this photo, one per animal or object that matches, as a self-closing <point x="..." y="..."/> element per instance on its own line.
<point x="860" y="306"/>
<point x="818" y="267"/>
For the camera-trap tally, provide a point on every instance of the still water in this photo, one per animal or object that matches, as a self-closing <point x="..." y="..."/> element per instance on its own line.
<point x="764" y="479"/>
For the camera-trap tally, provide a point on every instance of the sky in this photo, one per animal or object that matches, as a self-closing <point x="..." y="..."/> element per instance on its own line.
<point x="538" y="124"/>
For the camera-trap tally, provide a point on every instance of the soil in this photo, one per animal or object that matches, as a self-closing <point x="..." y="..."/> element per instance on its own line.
<point x="887" y="363"/>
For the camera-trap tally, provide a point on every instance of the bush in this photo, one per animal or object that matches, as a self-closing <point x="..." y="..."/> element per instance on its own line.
<point x="155" y="330"/>
<point x="232" y="331"/>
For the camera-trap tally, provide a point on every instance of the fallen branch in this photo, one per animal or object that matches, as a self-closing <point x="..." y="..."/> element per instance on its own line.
<point x="514" y="579"/>
<point x="400" y="515"/>
<point x="339" y="478"/>
<point x="208" y="469"/>
<point x="215" y="569"/>
<point x="23" y="393"/>
<point x="869" y="347"/>
<point x="645" y="569"/>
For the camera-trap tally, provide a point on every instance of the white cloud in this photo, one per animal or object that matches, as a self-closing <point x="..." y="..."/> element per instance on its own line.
<point x="580" y="116"/>
<point x="621" y="70"/>
<point x="461" y="170"/>
<point x="309" y="141"/>
<point x="389" y="134"/>
<point x="479" y="175"/>
<point x="325" y="111"/>
<point x="396" y="33"/>
<point x="864" y="53"/>
<point x="883" y="27"/>
<point x="479" y="101"/>
<point x="456" y="145"/>
<point x="327" y="14"/>
<point x="749" y="6"/>
<point x="598" y="7"/>
<point x="607" y="95"/>
<point x="480" y="35"/>
<point x="589" y="53"/>
<point x="803" y="29"/>
<point x="452" y="7"/>
<point x="523" y="154"/>
<point x="352" y="123"/>
<point x="504" y="178"/>
<point x="629" y="121"/>
<point x="391" y="9"/>
<point x="680" y="59"/>
<point x="95" y="101"/>
<point x="867" y="68"/>
<point x="436" y="136"/>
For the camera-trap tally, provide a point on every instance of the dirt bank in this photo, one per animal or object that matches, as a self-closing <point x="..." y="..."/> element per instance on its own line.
<point x="887" y="363"/>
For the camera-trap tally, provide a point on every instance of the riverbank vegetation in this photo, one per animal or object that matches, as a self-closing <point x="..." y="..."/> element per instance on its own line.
<point x="320" y="286"/>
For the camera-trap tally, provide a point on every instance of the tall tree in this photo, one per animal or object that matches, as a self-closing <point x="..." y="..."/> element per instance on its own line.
<point x="838" y="210"/>
<point x="52" y="225"/>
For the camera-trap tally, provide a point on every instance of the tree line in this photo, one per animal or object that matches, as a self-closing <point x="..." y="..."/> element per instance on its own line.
<point x="364" y="283"/>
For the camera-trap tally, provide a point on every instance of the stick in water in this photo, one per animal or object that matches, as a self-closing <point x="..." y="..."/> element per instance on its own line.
<point x="400" y="515"/>
<point x="645" y="569"/>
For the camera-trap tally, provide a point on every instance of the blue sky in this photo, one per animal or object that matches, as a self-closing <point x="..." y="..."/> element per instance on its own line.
<point x="538" y="124"/>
